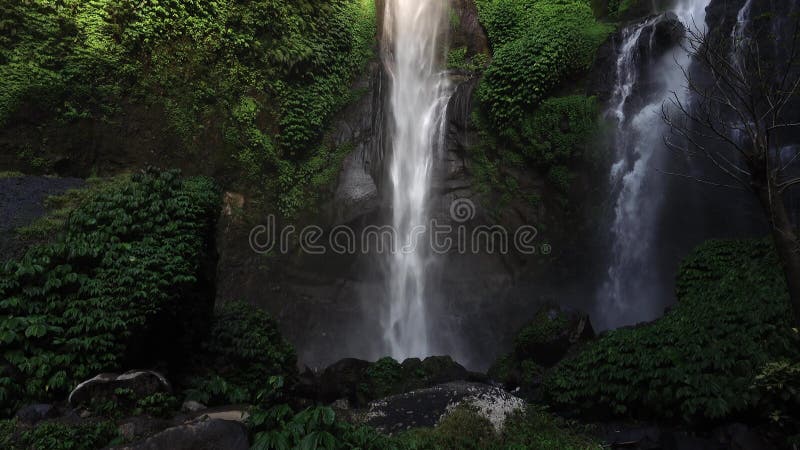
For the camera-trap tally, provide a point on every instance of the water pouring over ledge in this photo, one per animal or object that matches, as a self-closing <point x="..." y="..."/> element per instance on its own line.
<point x="634" y="290"/>
<point x="412" y="54"/>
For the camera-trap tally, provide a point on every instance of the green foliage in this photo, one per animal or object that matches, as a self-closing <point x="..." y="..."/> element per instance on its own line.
<point x="58" y="436"/>
<point x="557" y="132"/>
<point x="457" y="60"/>
<point x="778" y="388"/>
<point x="72" y="308"/>
<point x="258" y="78"/>
<point x="547" y="324"/>
<point x="537" y="45"/>
<point x="697" y="362"/>
<point x="384" y="377"/>
<point x="279" y="428"/>
<point x="61" y="206"/>
<point x="536" y="429"/>
<point x="242" y="353"/>
<point x="462" y="428"/>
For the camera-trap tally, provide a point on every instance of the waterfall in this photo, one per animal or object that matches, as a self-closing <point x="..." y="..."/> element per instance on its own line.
<point x="412" y="55"/>
<point x="633" y="290"/>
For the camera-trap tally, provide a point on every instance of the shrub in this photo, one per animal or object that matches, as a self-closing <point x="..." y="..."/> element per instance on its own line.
<point x="243" y="352"/>
<point x="58" y="436"/>
<point x="697" y="362"/>
<point x="536" y="46"/>
<point x="280" y="428"/>
<point x="557" y="132"/>
<point x="78" y="306"/>
<point x="777" y="386"/>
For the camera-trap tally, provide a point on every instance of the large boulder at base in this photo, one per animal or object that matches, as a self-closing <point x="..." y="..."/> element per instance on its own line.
<point x="426" y="407"/>
<point x="547" y="338"/>
<point x="214" y="434"/>
<point x="342" y="378"/>
<point x="141" y="383"/>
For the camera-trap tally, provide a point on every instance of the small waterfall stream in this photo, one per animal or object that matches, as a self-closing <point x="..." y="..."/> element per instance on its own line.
<point x="412" y="54"/>
<point x="633" y="290"/>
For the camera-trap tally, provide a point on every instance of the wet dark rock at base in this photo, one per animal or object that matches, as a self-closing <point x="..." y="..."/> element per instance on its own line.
<point x="426" y="407"/>
<point x="212" y="434"/>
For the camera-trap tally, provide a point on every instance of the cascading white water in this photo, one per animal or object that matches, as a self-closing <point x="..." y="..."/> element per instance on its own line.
<point x="420" y="91"/>
<point x="631" y="291"/>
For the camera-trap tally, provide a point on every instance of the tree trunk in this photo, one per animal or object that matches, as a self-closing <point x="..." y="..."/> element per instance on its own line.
<point x="787" y="244"/>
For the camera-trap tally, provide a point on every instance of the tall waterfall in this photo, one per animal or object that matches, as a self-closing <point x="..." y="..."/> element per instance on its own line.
<point x="420" y="91"/>
<point x="633" y="290"/>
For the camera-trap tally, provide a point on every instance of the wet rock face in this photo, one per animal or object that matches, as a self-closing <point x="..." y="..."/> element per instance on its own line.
<point x="426" y="407"/>
<point x="659" y="35"/>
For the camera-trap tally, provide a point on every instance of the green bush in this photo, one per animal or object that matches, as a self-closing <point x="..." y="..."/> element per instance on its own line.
<point x="242" y="353"/>
<point x="778" y="388"/>
<point x="537" y="45"/>
<point x="281" y="428"/>
<point x="58" y="436"/>
<point x="557" y="132"/>
<point x="697" y="362"/>
<point x="76" y="307"/>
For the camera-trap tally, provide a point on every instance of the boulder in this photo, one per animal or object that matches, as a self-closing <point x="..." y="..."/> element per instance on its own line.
<point x="551" y="333"/>
<point x="32" y="414"/>
<point x="426" y="407"/>
<point x="212" y="434"/>
<point x="342" y="379"/>
<point x="191" y="406"/>
<point x="141" y="383"/>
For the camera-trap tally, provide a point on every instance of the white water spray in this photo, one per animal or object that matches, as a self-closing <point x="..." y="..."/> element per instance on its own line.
<point x="420" y="91"/>
<point x="631" y="292"/>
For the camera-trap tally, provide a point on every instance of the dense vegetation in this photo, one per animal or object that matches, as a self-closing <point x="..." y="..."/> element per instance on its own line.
<point x="82" y="304"/>
<point x="701" y="360"/>
<point x="538" y="48"/>
<point x="236" y="361"/>
<point x="257" y="79"/>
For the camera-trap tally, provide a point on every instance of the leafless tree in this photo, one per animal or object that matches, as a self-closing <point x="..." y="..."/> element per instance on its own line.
<point x="741" y="108"/>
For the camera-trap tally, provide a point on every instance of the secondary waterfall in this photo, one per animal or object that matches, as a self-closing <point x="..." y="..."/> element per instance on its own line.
<point x="412" y="54"/>
<point x="633" y="290"/>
